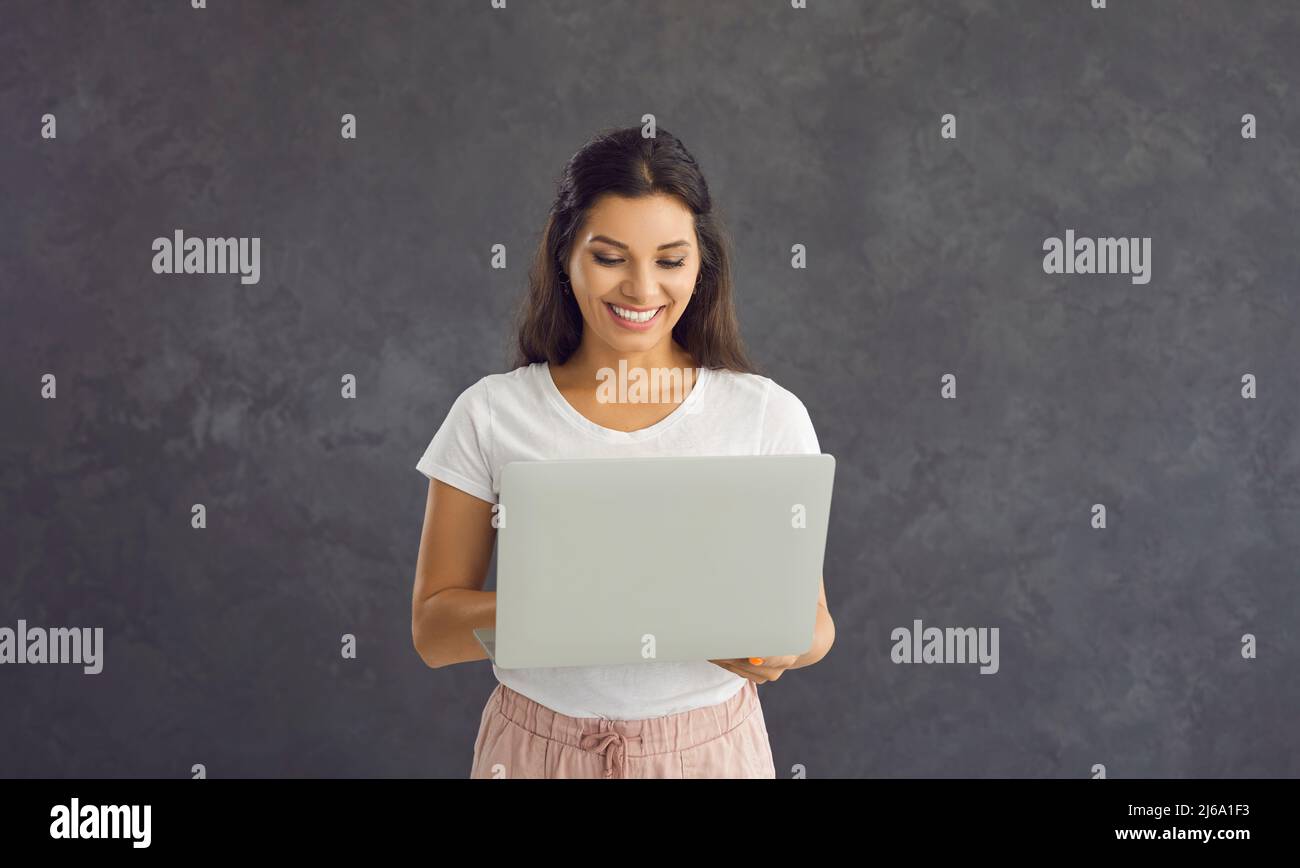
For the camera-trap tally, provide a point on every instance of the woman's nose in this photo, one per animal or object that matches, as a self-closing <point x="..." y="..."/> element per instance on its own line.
<point x="641" y="288"/>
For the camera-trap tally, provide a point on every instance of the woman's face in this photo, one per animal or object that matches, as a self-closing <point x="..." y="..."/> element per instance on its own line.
<point x="633" y="269"/>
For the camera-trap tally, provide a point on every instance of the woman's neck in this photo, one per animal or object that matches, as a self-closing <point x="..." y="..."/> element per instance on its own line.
<point x="588" y="360"/>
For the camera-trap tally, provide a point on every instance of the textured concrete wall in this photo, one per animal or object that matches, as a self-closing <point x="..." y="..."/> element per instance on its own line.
<point x="1119" y="646"/>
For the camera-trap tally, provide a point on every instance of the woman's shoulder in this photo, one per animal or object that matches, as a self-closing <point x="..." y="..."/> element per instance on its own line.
<point x="756" y="388"/>
<point x="521" y="379"/>
<point x="785" y="426"/>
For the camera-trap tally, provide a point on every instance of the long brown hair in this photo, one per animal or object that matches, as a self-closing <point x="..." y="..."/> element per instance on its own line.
<point x="625" y="163"/>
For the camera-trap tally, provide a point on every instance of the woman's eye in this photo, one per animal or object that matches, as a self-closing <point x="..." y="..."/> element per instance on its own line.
<point x="666" y="263"/>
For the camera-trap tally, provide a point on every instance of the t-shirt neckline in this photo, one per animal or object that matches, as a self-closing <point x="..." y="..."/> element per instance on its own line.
<point x="568" y="411"/>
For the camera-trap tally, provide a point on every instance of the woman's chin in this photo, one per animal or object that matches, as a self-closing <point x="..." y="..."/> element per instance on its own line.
<point x="632" y="342"/>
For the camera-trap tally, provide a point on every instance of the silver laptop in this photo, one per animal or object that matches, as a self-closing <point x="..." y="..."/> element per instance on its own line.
<point x="631" y="560"/>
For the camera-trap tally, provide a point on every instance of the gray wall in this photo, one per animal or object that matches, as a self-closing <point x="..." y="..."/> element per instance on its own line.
<point x="1119" y="646"/>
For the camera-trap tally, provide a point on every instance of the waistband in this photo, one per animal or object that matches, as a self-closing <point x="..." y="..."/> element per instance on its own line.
<point x="617" y="740"/>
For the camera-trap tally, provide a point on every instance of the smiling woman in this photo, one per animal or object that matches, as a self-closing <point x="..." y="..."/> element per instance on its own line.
<point x="622" y="302"/>
<point x="632" y="273"/>
<point x="632" y="230"/>
<point x="630" y="294"/>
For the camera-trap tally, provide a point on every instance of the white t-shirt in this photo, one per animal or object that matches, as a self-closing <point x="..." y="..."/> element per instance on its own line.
<point x="522" y="416"/>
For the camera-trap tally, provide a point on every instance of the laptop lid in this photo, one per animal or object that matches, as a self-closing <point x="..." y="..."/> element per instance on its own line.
<point x="608" y="561"/>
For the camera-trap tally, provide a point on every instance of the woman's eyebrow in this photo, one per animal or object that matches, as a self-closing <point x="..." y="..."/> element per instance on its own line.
<point x="620" y="244"/>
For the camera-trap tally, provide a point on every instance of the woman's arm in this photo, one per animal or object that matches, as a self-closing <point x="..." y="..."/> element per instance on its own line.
<point x="448" y="600"/>
<point x="772" y="667"/>
<point x="823" y="634"/>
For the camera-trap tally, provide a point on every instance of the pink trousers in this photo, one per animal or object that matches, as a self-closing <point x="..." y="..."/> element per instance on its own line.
<point x="520" y="738"/>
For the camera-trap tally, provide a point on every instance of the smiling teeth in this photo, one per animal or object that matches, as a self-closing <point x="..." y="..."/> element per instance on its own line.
<point x="635" y="316"/>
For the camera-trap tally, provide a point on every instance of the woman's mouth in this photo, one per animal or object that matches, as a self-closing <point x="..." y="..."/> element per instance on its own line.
<point x="632" y="318"/>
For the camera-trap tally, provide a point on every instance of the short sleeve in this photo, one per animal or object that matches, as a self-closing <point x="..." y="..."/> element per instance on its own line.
<point x="458" y="453"/>
<point x="787" y="427"/>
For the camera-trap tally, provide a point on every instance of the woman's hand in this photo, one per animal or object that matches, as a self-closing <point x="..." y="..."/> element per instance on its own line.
<point x="769" y="670"/>
<point x="760" y="669"/>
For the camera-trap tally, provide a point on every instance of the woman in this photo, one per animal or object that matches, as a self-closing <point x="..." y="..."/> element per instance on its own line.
<point x="632" y="274"/>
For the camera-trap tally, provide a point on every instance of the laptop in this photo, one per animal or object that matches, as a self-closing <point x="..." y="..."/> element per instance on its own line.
<point x="635" y="560"/>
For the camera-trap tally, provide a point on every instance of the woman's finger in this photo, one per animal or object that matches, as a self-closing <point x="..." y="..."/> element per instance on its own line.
<point x="735" y="666"/>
